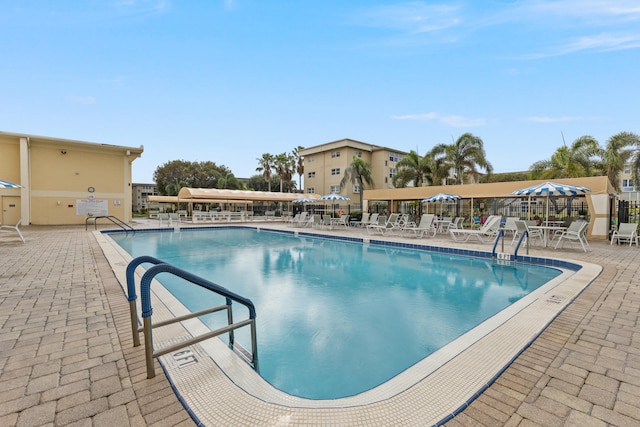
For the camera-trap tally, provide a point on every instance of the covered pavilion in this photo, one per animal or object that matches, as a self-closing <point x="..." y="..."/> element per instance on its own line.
<point x="600" y="200"/>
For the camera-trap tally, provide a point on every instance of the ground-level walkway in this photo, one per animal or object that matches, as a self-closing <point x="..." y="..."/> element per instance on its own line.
<point x="66" y="353"/>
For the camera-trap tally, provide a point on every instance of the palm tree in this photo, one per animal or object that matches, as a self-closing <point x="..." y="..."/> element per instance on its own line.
<point x="266" y="166"/>
<point x="465" y="155"/>
<point x="284" y="165"/>
<point x="428" y="169"/>
<point x="358" y="172"/>
<point x="299" y="163"/>
<point x="575" y="161"/>
<point x="616" y="154"/>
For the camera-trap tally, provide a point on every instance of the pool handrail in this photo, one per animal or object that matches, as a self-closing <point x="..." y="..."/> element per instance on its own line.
<point x="524" y="234"/>
<point x="131" y="293"/>
<point x="147" y="311"/>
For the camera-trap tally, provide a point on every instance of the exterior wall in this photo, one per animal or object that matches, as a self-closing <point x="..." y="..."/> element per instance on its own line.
<point x="56" y="176"/>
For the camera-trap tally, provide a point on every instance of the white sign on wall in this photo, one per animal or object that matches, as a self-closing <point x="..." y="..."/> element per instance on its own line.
<point x="92" y="207"/>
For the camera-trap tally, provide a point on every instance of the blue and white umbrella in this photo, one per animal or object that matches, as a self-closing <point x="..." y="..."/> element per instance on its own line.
<point x="304" y="200"/>
<point x="551" y="189"/>
<point x="334" y="197"/>
<point x="7" y="184"/>
<point x="441" y="197"/>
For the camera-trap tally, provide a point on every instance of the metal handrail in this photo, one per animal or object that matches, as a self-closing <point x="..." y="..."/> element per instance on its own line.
<point x="114" y="219"/>
<point x="147" y="311"/>
<point x="131" y="293"/>
<point x="524" y="234"/>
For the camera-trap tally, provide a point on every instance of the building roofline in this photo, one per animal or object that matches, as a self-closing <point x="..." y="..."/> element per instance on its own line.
<point x="48" y="139"/>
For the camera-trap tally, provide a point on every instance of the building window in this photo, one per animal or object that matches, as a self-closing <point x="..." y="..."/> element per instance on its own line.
<point x="334" y="189"/>
<point x="356" y="189"/>
<point x="335" y="154"/>
<point x="358" y="154"/>
<point x="626" y="183"/>
<point x="392" y="172"/>
<point x="311" y="190"/>
<point x="395" y="157"/>
<point x="311" y="175"/>
<point x="335" y="171"/>
<point x="310" y="159"/>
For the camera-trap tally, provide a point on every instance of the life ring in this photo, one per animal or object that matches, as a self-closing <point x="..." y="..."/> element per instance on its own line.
<point x="340" y="212"/>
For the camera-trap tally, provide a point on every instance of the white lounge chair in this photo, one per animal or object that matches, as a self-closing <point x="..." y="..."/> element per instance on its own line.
<point x="12" y="229"/>
<point x="425" y="227"/>
<point x="521" y="228"/>
<point x="342" y="221"/>
<point x="626" y="232"/>
<point x="388" y="226"/>
<point x="487" y="232"/>
<point x="575" y="233"/>
<point x="363" y="221"/>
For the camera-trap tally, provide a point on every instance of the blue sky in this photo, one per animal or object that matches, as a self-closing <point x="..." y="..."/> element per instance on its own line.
<point x="228" y="80"/>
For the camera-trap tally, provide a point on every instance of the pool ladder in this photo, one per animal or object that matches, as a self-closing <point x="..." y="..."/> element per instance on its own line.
<point x="504" y="256"/>
<point x="147" y="328"/>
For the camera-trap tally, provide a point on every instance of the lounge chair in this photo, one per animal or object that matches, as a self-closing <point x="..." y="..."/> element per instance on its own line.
<point x="510" y="225"/>
<point x="343" y="220"/>
<point x="363" y="221"/>
<point x="576" y="232"/>
<point x="487" y="232"/>
<point x="300" y="220"/>
<point x="12" y="229"/>
<point x="388" y="226"/>
<point x="626" y="231"/>
<point x="425" y="227"/>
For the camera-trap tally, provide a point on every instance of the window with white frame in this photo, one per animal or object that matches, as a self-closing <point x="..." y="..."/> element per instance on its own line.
<point x="627" y="183"/>
<point x="311" y="175"/>
<point x="392" y="172"/>
<point x="311" y="190"/>
<point x="310" y="159"/>
<point x="335" y="154"/>
<point x="358" y="154"/>
<point x="334" y="189"/>
<point x="395" y="157"/>
<point x="356" y="189"/>
<point x="335" y="171"/>
<point x="627" y="169"/>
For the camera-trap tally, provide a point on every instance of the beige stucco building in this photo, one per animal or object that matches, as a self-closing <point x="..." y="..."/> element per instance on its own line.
<point x="325" y="164"/>
<point x="63" y="181"/>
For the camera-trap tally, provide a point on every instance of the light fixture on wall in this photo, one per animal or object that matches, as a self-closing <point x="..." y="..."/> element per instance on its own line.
<point x="63" y="151"/>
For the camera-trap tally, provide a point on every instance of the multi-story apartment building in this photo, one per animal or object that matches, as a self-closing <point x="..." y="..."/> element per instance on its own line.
<point x="139" y="193"/>
<point x="628" y="191"/>
<point x="325" y="165"/>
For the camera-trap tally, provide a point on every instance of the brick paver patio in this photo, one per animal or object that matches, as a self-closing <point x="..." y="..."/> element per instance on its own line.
<point x="66" y="354"/>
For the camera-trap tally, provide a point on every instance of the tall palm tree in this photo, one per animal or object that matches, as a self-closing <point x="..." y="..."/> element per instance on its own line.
<point x="266" y="167"/>
<point x="284" y="165"/>
<point x="358" y="172"/>
<point x="578" y="160"/>
<point x="618" y="151"/>
<point x="299" y="163"/>
<point x="466" y="154"/>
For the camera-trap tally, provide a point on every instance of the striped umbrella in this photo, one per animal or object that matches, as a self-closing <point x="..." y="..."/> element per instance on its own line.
<point x="551" y="189"/>
<point x="334" y="197"/>
<point x="7" y="184"/>
<point x="304" y="200"/>
<point x="441" y="197"/>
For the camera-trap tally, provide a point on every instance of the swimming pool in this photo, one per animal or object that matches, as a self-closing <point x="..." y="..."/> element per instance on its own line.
<point x="337" y="318"/>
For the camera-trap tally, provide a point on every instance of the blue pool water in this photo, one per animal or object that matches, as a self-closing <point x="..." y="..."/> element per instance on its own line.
<point x="336" y="318"/>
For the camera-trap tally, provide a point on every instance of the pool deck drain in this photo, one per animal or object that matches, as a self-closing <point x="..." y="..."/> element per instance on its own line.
<point x="66" y="353"/>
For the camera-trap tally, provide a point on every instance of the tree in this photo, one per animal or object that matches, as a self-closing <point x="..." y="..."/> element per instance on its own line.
<point x="173" y="175"/>
<point x="578" y="160"/>
<point x="465" y="155"/>
<point x="358" y="172"/>
<point x="266" y="167"/>
<point x="284" y="165"/>
<point x="618" y="151"/>
<point x="299" y="161"/>
<point x="429" y="169"/>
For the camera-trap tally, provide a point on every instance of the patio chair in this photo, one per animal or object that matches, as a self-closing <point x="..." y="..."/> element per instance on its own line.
<point x="363" y="221"/>
<point x="510" y="225"/>
<point x="626" y="231"/>
<point x="424" y="227"/>
<point x="521" y="227"/>
<point x="487" y="232"/>
<point x="12" y="229"/>
<point x="575" y="233"/>
<point x="326" y="221"/>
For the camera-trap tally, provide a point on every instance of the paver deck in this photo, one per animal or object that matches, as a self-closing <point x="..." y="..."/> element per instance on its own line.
<point x="66" y="353"/>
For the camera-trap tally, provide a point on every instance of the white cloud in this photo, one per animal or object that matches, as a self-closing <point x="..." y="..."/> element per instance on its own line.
<point x="454" y="121"/>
